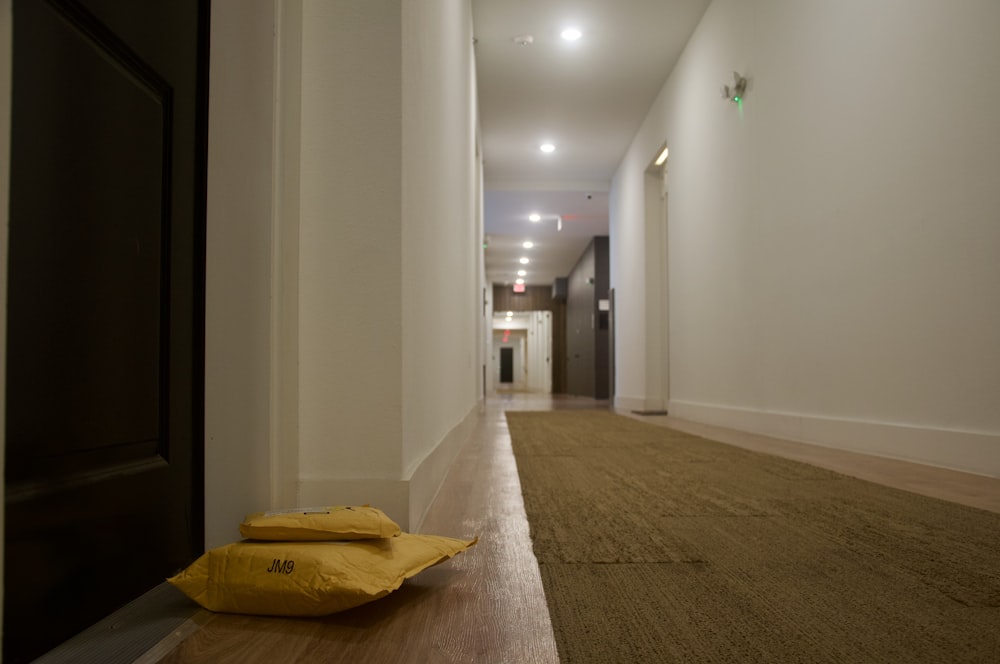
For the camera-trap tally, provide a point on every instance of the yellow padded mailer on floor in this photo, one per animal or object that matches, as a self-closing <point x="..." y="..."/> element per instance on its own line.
<point x="319" y="523"/>
<point x="309" y="578"/>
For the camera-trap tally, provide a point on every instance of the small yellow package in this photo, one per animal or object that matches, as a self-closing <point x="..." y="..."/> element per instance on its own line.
<point x="319" y="524"/>
<point x="309" y="578"/>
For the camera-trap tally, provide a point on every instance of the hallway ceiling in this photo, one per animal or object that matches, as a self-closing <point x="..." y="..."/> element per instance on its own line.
<point x="587" y="97"/>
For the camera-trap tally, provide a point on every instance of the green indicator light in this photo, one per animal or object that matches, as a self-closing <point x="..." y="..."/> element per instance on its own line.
<point x="736" y="99"/>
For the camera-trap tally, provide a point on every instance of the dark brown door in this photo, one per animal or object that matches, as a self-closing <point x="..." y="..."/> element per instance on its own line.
<point x="105" y="309"/>
<point x="506" y="365"/>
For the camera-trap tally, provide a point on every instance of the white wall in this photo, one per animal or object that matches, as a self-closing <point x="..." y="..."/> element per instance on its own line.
<point x="627" y="252"/>
<point x="238" y="276"/>
<point x="284" y="330"/>
<point x="833" y="243"/>
<point x="441" y="236"/>
<point x="350" y="381"/>
<point x="388" y="269"/>
<point x="343" y="180"/>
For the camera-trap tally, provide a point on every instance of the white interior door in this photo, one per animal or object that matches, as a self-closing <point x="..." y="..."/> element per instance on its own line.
<point x="540" y="352"/>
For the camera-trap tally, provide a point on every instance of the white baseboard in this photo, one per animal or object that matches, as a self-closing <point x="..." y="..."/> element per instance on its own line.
<point x="970" y="452"/>
<point x="637" y="403"/>
<point x="405" y="501"/>
<point x="427" y="476"/>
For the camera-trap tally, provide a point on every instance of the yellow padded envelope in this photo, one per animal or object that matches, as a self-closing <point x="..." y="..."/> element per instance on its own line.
<point x="309" y="578"/>
<point x="319" y="523"/>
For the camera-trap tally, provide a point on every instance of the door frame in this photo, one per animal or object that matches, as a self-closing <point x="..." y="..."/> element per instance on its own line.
<point x="657" y="285"/>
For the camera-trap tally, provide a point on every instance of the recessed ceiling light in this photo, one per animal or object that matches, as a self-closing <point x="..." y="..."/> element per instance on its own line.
<point x="524" y="260"/>
<point x="522" y="273"/>
<point x="571" y="34"/>
<point x="547" y="148"/>
<point x="534" y="216"/>
<point x="528" y="244"/>
<point x="519" y="281"/>
<point x="510" y="313"/>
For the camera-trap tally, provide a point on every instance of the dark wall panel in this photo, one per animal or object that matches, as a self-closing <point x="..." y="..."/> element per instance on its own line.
<point x="602" y="336"/>
<point x="586" y="330"/>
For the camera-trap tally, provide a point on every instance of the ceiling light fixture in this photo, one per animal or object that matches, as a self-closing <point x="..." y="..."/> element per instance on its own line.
<point x="524" y="260"/>
<point x="571" y="34"/>
<point x="522" y="273"/>
<point x="547" y="148"/>
<point x="519" y="281"/>
<point x="535" y="217"/>
<point x="528" y="244"/>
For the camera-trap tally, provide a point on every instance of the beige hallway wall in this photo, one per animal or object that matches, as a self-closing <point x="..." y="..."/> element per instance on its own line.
<point x="832" y="241"/>
<point x="342" y="203"/>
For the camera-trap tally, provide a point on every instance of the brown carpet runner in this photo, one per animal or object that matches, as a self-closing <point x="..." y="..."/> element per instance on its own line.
<point x="658" y="546"/>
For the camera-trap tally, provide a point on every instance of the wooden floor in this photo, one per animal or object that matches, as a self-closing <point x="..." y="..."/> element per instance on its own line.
<point x="487" y="605"/>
